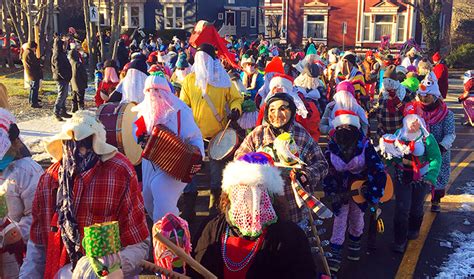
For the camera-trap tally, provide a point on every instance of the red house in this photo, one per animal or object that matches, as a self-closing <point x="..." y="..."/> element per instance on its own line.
<point x="349" y="23"/>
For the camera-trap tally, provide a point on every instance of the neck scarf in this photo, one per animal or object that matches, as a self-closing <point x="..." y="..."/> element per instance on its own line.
<point x="73" y="163"/>
<point x="435" y="114"/>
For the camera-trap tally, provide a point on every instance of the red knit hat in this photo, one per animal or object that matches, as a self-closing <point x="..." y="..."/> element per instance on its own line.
<point x="436" y="57"/>
<point x="275" y="66"/>
<point x="346" y="117"/>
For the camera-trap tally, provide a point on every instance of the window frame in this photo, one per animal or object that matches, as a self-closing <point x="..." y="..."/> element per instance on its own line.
<point x="173" y="24"/>
<point x="253" y="13"/>
<point x="134" y="16"/>
<point x="244" y="15"/>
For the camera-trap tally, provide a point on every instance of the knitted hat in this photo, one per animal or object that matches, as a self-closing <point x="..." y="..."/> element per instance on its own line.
<point x="436" y="57"/>
<point x="82" y="125"/>
<point x="152" y="57"/>
<point x="346" y="117"/>
<point x="390" y="72"/>
<point x="429" y="86"/>
<point x="411" y="69"/>
<point x="282" y="81"/>
<point x="275" y="66"/>
<point x="346" y="86"/>
<point x="182" y="62"/>
<point x="369" y="53"/>
<point x="8" y="131"/>
<point x="312" y="70"/>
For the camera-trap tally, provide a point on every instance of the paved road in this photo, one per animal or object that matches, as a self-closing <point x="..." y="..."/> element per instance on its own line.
<point x="425" y="255"/>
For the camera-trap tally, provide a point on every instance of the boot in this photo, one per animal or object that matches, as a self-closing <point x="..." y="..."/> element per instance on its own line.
<point x="58" y="117"/>
<point x="81" y="105"/>
<point x="214" y="202"/>
<point x="334" y="260"/>
<point x="75" y="107"/>
<point x="64" y="114"/>
<point x="188" y="204"/>
<point x="353" y="248"/>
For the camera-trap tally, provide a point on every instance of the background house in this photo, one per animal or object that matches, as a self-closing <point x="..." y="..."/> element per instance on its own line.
<point x="337" y="23"/>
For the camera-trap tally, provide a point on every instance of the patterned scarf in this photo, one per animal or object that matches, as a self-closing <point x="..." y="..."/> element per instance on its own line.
<point x="432" y="114"/>
<point x="73" y="163"/>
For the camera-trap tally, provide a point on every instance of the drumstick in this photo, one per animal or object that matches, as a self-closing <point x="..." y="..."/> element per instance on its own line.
<point x="158" y="269"/>
<point x="185" y="257"/>
<point x="223" y="132"/>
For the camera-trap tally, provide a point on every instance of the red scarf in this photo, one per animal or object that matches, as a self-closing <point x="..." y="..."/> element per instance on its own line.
<point x="436" y="115"/>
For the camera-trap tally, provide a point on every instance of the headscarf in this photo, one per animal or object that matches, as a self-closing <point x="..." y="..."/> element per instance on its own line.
<point x="286" y="82"/>
<point x="157" y="105"/>
<point x="250" y="183"/>
<point x="73" y="163"/>
<point x="209" y="71"/>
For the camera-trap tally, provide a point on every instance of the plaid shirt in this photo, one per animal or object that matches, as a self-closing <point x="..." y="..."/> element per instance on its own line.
<point x="388" y="123"/>
<point x="107" y="192"/>
<point x="309" y="151"/>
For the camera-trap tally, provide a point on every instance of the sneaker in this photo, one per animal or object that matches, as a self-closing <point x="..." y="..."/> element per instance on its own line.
<point x="58" y="117"/>
<point x="435" y="207"/>
<point x="412" y="235"/>
<point x="65" y="115"/>
<point x="36" y="105"/>
<point x="353" y="250"/>
<point x="399" y="248"/>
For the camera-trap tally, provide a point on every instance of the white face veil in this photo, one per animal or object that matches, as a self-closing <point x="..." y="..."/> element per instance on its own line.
<point x="209" y="71"/>
<point x="132" y="85"/>
<point x="159" y="102"/>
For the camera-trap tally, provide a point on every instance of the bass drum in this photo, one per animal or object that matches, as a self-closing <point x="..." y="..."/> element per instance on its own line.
<point x="118" y="122"/>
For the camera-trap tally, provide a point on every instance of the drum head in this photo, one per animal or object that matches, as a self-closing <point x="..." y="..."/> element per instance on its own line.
<point x="131" y="148"/>
<point x="225" y="147"/>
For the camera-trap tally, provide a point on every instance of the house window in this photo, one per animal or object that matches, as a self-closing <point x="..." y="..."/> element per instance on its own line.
<point x="134" y="16"/>
<point x="102" y="19"/>
<point x="366" y="28"/>
<point x="174" y="17"/>
<point x="243" y="19"/>
<point x="401" y="28"/>
<point x="231" y="1"/>
<point x="253" y="17"/>
<point x="383" y="26"/>
<point x="315" y="26"/>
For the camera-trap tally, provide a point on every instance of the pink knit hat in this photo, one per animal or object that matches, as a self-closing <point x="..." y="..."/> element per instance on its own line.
<point x="346" y="86"/>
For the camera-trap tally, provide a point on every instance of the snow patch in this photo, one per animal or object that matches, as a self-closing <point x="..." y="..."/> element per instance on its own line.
<point x="469" y="188"/>
<point x="460" y="264"/>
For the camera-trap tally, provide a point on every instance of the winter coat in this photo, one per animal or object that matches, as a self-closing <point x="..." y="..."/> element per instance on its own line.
<point x="221" y="97"/>
<point x="60" y="66"/>
<point x="32" y="65"/>
<point x="285" y="251"/>
<point x="79" y="74"/>
<point x="441" y="72"/>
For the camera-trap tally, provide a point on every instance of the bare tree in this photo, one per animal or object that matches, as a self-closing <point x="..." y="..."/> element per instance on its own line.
<point x="430" y="13"/>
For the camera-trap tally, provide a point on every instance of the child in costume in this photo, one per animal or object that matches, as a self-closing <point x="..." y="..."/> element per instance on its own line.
<point x="467" y="97"/>
<point x="351" y="157"/>
<point x="417" y="161"/>
<point x="440" y="123"/>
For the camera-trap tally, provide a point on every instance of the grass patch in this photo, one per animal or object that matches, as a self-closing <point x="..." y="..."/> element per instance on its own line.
<point x="13" y="80"/>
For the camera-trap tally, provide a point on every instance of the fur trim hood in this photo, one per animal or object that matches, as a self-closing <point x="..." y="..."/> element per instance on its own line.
<point x="244" y="173"/>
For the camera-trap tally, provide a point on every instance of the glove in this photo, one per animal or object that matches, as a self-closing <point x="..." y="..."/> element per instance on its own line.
<point x="301" y="176"/>
<point x="234" y="115"/>
<point x="442" y="148"/>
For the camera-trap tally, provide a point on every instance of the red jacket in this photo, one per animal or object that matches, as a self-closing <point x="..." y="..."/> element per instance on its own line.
<point x="106" y="88"/>
<point x="441" y="72"/>
<point x="310" y="123"/>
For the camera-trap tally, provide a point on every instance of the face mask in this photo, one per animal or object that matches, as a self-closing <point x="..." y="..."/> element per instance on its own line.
<point x="250" y="69"/>
<point x="7" y="159"/>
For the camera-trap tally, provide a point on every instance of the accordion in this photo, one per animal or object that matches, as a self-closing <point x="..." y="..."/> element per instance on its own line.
<point x="171" y="154"/>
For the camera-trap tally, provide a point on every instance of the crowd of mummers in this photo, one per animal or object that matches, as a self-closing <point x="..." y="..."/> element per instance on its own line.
<point x="279" y="111"/>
